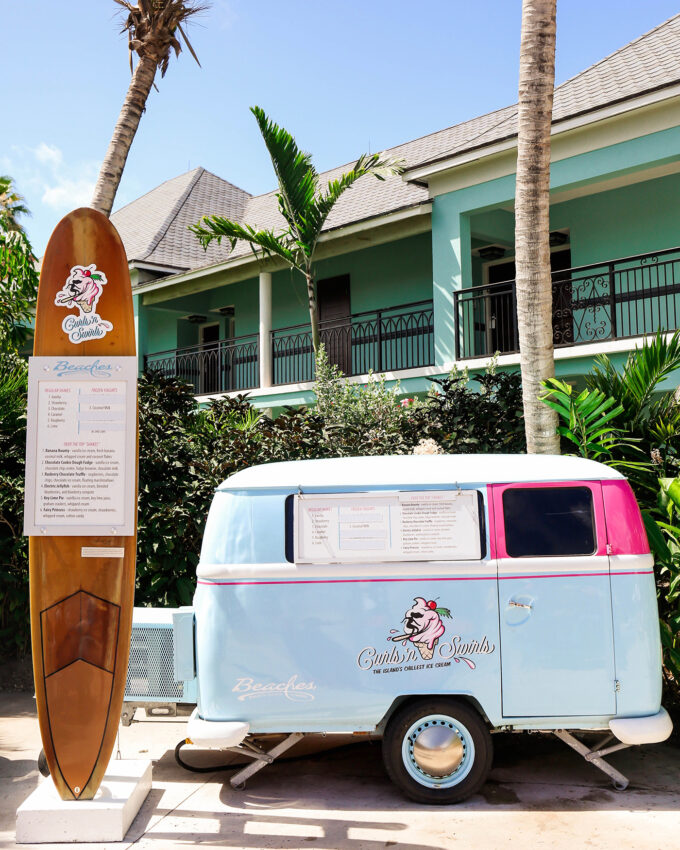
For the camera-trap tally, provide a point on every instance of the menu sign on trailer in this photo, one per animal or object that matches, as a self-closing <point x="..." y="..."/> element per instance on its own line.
<point x="424" y="525"/>
<point x="81" y="446"/>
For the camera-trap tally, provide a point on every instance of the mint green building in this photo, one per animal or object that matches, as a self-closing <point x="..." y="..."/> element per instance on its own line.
<point x="416" y="274"/>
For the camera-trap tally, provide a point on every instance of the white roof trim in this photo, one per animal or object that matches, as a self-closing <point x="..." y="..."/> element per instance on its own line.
<point x="426" y="470"/>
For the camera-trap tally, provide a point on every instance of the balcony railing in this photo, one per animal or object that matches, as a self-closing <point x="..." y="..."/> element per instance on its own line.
<point x="212" y="367"/>
<point x="386" y="340"/>
<point x="616" y="299"/>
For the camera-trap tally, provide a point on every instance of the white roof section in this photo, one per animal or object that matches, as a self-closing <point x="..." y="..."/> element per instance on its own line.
<point x="427" y="470"/>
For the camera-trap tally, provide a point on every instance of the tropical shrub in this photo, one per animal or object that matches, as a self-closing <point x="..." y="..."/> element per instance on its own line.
<point x="663" y="530"/>
<point x="648" y="414"/>
<point x="173" y="492"/>
<point x="361" y="419"/>
<point x="462" y="420"/>
<point x="587" y="417"/>
<point x="14" y="633"/>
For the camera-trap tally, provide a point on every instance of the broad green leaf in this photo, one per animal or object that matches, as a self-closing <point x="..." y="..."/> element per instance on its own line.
<point x="655" y="537"/>
<point x="673" y="491"/>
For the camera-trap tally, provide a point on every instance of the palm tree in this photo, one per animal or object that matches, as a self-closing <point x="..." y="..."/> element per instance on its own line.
<point x="18" y="273"/>
<point x="154" y="28"/>
<point x="304" y="205"/>
<point x="11" y="205"/>
<point x="532" y="225"/>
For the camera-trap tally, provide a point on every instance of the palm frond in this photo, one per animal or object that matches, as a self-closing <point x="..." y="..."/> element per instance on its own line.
<point x="215" y="228"/>
<point x="296" y="175"/>
<point x="642" y="373"/>
<point x="151" y="27"/>
<point x="188" y="43"/>
<point x="375" y="164"/>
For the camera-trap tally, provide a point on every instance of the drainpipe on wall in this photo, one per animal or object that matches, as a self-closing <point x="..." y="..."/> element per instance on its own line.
<point x="265" y="357"/>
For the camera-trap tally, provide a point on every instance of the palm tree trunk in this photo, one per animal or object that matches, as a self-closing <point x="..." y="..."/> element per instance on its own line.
<point x="532" y="221"/>
<point x="123" y="134"/>
<point x="313" y="312"/>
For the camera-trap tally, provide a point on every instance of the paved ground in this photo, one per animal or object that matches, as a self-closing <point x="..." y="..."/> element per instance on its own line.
<point x="540" y="795"/>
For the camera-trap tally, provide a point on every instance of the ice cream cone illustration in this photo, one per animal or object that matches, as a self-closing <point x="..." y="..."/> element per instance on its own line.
<point x="82" y="289"/>
<point x="423" y="626"/>
<point x="424" y="650"/>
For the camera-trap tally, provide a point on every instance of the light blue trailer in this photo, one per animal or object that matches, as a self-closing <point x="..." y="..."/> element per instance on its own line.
<point x="429" y="600"/>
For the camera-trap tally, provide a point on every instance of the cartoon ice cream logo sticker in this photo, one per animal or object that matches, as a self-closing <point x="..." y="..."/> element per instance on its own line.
<point x="423" y="626"/>
<point x="83" y="289"/>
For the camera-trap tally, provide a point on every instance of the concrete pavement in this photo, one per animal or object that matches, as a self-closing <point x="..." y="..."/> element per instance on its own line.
<point x="540" y="795"/>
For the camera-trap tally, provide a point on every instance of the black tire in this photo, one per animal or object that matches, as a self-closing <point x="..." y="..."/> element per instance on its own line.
<point x="43" y="767"/>
<point x="468" y="755"/>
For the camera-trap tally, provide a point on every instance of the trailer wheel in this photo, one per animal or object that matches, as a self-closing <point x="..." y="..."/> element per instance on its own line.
<point x="437" y="750"/>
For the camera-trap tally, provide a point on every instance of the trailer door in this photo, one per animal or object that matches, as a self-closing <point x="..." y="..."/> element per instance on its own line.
<point x="557" y="651"/>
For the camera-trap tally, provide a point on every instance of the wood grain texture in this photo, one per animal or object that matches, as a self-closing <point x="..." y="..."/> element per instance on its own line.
<point x="81" y="608"/>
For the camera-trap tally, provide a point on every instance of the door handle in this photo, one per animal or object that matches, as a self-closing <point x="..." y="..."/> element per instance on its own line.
<point x="514" y="604"/>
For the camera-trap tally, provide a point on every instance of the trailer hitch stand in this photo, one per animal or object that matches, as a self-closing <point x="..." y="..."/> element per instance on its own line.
<point x="595" y="756"/>
<point x="262" y="758"/>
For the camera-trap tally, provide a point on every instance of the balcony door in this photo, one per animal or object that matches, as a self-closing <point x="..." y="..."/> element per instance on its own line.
<point x="502" y="332"/>
<point x="333" y="296"/>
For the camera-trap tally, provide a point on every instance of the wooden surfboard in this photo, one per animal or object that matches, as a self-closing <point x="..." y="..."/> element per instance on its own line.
<point x="81" y="607"/>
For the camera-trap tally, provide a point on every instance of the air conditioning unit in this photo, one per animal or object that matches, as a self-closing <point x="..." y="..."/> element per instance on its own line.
<point x="161" y="675"/>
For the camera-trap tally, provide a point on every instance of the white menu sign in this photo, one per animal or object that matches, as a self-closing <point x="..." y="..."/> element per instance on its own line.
<point x="422" y="525"/>
<point x="81" y="446"/>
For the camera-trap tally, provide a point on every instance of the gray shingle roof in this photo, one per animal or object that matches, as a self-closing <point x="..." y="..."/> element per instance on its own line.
<point x="154" y="227"/>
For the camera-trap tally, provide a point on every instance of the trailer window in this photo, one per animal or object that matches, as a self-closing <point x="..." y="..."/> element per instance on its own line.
<point x="548" y="521"/>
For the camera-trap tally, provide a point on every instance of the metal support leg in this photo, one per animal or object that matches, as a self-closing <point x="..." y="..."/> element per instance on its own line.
<point x="264" y="759"/>
<point x="594" y="757"/>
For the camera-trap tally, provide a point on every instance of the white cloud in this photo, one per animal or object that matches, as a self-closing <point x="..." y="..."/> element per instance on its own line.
<point x="48" y="154"/>
<point x="63" y="186"/>
<point x="66" y="193"/>
<point x="51" y="183"/>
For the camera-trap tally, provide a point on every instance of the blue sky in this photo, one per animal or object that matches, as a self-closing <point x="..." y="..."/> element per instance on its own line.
<point x="342" y="76"/>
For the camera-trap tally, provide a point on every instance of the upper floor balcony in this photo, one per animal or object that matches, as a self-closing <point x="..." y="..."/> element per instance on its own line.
<point x="616" y="299"/>
<point x="613" y="300"/>
<point x="387" y="340"/>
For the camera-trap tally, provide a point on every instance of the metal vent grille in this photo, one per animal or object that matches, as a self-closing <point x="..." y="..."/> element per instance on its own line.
<point x="150" y="670"/>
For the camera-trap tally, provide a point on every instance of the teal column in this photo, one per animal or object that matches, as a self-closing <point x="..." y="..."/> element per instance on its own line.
<point x="451" y="269"/>
<point x="141" y="329"/>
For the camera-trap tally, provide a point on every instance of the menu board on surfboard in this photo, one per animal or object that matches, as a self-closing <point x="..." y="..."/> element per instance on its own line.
<point x="81" y="446"/>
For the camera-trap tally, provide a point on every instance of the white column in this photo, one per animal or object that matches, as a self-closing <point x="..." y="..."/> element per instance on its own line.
<point x="266" y="370"/>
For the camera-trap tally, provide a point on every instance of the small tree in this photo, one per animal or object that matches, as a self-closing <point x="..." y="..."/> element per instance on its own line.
<point x="154" y="28"/>
<point x="302" y="203"/>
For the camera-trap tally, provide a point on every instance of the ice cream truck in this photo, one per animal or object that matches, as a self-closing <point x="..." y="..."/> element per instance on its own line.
<point x="429" y="601"/>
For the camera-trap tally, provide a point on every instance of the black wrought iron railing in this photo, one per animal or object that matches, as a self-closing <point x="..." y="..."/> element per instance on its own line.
<point x="387" y="340"/>
<point x="212" y="367"/>
<point x="628" y="297"/>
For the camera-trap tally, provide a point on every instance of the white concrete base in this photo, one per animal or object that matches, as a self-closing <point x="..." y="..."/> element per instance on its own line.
<point x="44" y="818"/>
